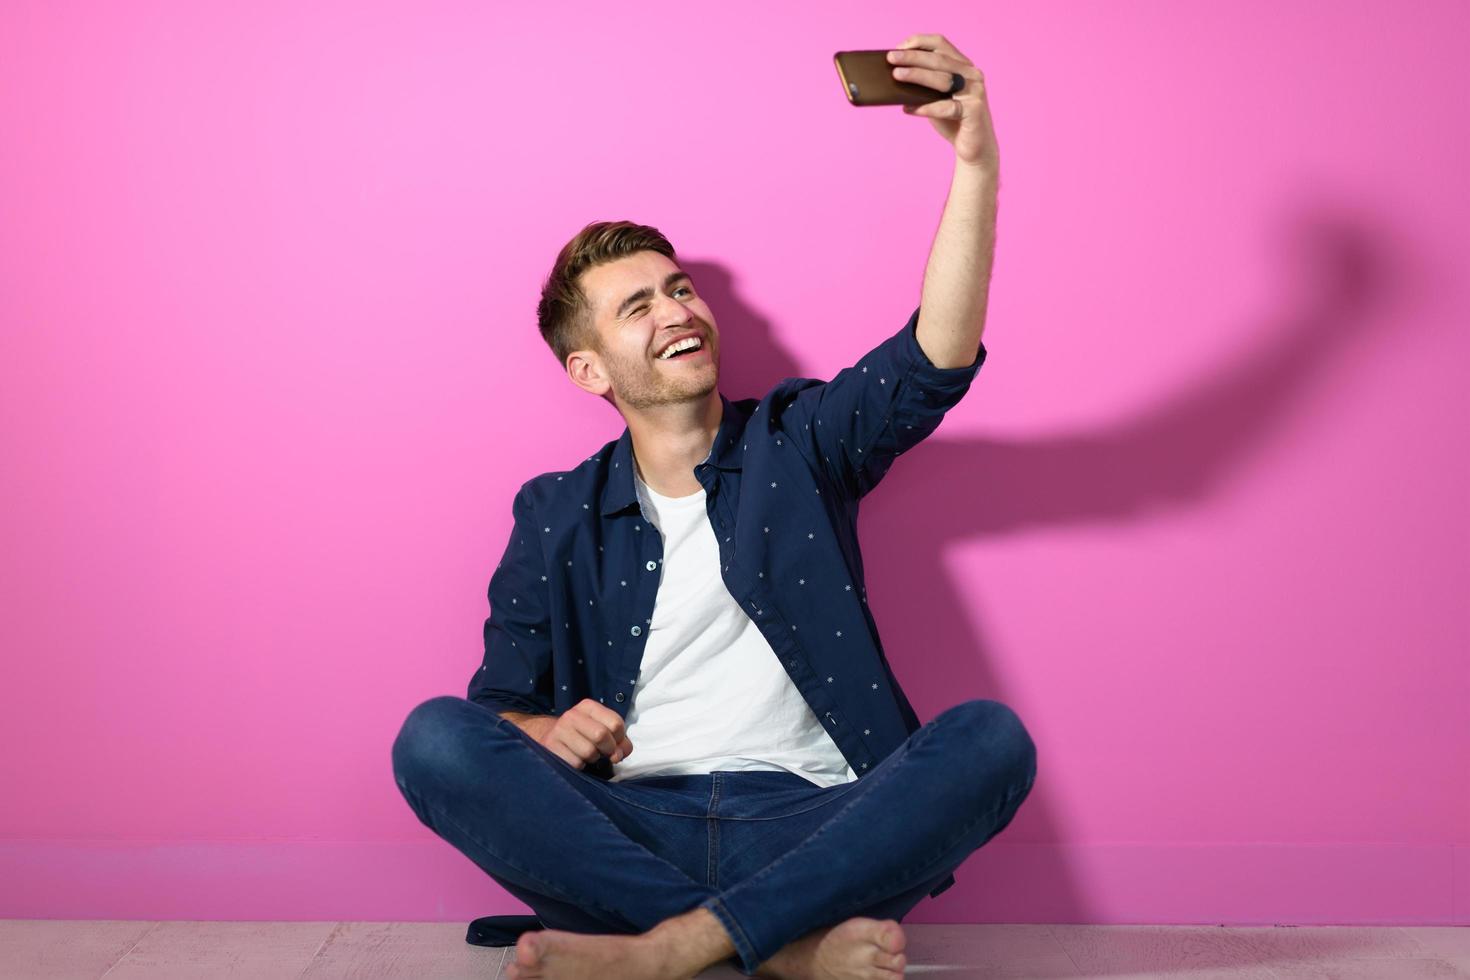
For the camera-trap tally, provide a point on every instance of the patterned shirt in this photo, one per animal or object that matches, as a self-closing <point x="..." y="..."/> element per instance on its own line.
<point x="572" y="597"/>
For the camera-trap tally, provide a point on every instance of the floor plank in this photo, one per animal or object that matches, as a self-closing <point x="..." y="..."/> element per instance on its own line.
<point x="59" y="949"/>
<point x="191" y="950"/>
<point x="1448" y="943"/>
<point x="1240" y="952"/>
<point x="963" y="951"/>
<point x="374" y="950"/>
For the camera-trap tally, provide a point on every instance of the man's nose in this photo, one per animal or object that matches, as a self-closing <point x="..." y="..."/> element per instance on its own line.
<point x="672" y="312"/>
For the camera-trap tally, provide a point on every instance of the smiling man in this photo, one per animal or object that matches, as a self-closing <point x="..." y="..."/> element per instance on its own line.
<point x="684" y="743"/>
<point x="652" y="350"/>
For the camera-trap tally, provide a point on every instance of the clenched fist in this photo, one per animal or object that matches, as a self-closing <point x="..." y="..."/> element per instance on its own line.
<point x="584" y="733"/>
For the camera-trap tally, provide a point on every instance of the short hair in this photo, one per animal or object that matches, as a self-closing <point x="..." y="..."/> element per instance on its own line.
<point x="565" y="314"/>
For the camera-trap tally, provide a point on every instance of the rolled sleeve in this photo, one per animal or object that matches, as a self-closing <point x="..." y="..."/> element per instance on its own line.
<point x="515" y="674"/>
<point x="855" y="425"/>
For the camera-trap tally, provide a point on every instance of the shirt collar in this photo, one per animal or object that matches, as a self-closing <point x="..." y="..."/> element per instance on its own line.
<point x="727" y="453"/>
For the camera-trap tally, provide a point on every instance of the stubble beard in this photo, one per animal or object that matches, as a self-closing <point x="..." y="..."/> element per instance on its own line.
<point x="654" y="386"/>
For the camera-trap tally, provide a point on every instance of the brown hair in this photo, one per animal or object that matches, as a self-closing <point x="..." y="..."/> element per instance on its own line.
<point x="565" y="313"/>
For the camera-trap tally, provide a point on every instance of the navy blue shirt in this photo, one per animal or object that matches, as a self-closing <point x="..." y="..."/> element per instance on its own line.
<point x="572" y="598"/>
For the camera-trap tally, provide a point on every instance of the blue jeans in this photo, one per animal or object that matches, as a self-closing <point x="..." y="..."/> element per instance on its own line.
<point x="770" y="854"/>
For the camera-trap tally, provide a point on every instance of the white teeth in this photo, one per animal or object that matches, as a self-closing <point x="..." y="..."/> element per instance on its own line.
<point x="687" y="343"/>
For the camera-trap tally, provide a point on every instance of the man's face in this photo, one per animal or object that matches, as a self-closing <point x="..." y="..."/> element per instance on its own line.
<point x="641" y="303"/>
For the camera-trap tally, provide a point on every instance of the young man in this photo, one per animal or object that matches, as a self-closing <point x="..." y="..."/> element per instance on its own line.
<point x="685" y="744"/>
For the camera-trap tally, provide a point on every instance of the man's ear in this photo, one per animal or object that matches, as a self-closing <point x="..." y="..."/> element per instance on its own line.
<point x="585" y="369"/>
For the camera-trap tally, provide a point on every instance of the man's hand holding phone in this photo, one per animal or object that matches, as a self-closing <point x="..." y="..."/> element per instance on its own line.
<point x="929" y="77"/>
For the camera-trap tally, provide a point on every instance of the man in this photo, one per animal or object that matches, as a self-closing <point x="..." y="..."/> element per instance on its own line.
<point x="685" y="744"/>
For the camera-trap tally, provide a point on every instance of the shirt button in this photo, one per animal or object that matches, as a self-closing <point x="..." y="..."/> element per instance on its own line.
<point x="651" y="565"/>
<point x="618" y="696"/>
<point x="636" y="630"/>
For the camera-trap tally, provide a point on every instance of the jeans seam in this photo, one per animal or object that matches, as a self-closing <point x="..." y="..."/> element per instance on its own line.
<point x="653" y="809"/>
<point x="712" y="835"/>
<point x="738" y="936"/>
<point x="792" y="813"/>
<point x="624" y="795"/>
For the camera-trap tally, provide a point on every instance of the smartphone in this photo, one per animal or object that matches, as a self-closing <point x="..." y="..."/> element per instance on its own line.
<point x="867" y="78"/>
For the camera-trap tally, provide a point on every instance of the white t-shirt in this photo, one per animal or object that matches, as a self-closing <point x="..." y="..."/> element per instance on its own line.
<point x="711" y="692"/>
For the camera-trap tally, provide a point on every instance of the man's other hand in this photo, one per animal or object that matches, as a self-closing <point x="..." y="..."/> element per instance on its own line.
<point x="586" y="732"/>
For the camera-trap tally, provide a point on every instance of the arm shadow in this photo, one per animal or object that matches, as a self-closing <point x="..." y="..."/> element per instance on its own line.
<point x="1179" y="451"/>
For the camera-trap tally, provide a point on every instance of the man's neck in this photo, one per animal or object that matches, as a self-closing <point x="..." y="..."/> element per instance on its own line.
<point x="670" y="440"/>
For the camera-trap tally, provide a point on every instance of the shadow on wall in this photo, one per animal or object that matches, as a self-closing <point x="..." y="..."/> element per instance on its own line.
<point x="1177" y="452"/>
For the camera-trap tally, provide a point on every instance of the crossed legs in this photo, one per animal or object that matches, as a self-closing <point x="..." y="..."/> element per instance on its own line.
<point x="551" y="836"/>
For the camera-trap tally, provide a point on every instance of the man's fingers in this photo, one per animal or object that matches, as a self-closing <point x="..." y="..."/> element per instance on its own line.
<point x="606" y="720"/>
<point x="610" y="718"/>
<point x="599" y="731"/>
<point x="594" y="736"/>
<point x="935" y="42"/>
<point x="616" y="747"/>
<point x="604" y="741"/>
<point x="920" y="58"/>
<point x="606" y="744"/>
<point x="578" y="744"/>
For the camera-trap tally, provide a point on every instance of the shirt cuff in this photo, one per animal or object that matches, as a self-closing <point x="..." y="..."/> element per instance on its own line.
<point x="504" y="701"/>
<point x="923" y="369"/>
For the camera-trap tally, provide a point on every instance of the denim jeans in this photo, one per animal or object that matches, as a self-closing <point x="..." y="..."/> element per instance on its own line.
<point x="770" y="854"/>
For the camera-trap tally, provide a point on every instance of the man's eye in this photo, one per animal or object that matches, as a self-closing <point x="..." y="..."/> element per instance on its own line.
<point x="637" y="310"/>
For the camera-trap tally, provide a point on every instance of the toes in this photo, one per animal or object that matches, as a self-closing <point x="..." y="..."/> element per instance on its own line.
<point x="526" y="959"/>
<point x="891" y="961"/>
<point x="889" y="936"/>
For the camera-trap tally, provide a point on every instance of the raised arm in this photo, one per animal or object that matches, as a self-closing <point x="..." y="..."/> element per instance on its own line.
<point x="957" y="278"/>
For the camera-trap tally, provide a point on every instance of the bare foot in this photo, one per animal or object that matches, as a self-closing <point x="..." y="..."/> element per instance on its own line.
<point x="556" y="955"/>
<point x="858" y="949"/>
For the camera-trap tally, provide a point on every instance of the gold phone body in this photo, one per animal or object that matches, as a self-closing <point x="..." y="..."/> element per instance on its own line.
<point x="867" y="79"/>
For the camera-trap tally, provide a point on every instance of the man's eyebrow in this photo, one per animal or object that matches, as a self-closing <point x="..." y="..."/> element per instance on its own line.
<point x="647" y="293"/>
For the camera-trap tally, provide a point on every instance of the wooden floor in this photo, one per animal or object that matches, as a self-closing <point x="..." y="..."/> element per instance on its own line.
<point x="51" y="949"/>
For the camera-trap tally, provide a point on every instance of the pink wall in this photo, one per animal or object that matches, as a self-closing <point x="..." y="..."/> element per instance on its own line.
<point x="271" y="376"/>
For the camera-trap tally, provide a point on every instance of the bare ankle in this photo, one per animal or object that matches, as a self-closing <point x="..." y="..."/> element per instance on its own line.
<point x="793" y="960"/>
<point x="692" y="941"/>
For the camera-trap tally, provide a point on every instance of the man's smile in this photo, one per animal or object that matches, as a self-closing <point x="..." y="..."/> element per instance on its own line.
<point x="685" y="347"/>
